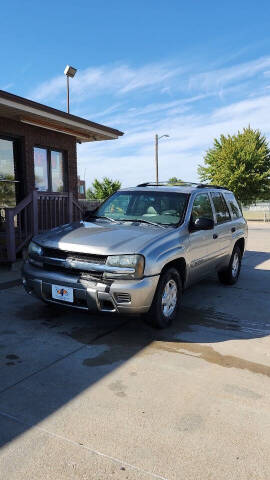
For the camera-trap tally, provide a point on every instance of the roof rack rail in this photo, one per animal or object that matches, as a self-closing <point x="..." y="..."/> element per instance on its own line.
<point x="181" y="184"/>
<point x="209" y="185"/>
<point x="162" y="184"/>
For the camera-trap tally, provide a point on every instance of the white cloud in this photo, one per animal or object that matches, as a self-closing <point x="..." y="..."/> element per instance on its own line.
<point x="113" y="80"/>
<point x="192" y="106"/>
<point x="217" y="79"/>
<point x="49" y="89"/>
<point x="131" y="158"/>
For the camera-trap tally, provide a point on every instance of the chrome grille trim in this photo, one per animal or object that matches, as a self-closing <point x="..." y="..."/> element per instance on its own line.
<point x="58" y="254"/>
<point x="86" y="266"/>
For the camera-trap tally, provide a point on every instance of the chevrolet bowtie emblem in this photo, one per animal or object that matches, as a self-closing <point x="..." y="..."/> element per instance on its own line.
<point x="62" y="292"/>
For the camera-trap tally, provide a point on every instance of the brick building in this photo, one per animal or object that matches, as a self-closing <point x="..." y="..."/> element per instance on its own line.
<point x="38" y="168"/>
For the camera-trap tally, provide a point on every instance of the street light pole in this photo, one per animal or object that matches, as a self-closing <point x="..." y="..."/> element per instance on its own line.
<point x="69" y="72"/>
<point x="67" y="94"/>
<point x="157" y="138"/>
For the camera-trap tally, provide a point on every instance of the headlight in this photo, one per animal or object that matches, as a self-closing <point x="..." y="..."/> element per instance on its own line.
<point x="34" y="249"/>
<point x="132" y="266"/>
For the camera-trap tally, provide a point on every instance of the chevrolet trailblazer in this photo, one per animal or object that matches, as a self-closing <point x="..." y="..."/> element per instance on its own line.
<point x="139" y="250"/>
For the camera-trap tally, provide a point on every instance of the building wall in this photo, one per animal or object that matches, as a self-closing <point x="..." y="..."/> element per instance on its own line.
<point x="30" y="136"/>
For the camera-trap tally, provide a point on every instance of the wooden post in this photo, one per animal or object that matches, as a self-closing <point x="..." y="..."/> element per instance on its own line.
<point x="10" y="231"/>
<point x="70" y="207"/>
<point x="35" y="212"/>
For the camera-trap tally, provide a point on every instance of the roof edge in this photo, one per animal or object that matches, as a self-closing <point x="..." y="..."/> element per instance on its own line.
<point x="60" y="113"/>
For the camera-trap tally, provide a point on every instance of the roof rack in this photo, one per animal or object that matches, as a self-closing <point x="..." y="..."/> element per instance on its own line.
<point x="181" y="184"/>
<point x="166" y="183"/>
<point x="209" y="185"/>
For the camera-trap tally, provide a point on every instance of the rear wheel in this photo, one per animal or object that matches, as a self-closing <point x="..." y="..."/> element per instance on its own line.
<point x="167" y="299"/>
<point x="231" y="274"/>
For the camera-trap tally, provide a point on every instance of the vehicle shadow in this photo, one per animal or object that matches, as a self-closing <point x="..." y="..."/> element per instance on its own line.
<point x="63" y="353"/>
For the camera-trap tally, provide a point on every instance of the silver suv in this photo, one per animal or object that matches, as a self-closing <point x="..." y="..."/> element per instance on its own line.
<point x="139" y="250"/>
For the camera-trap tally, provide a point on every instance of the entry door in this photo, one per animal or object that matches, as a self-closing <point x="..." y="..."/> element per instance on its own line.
<point x="200" y="253"/>
<point x="9" y="181"/>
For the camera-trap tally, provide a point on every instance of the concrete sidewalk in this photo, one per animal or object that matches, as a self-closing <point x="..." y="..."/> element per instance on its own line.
<point x="10" y="275"/>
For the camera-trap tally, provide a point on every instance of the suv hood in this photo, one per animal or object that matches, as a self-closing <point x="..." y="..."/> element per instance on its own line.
<point x="101" y="237"/>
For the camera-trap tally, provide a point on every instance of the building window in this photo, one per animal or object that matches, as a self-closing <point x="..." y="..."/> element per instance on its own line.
<point x="7" y="174"/>
<point x="41" y="169"/>
<point x="57" y="171"/>
<point x="49" y="170"/>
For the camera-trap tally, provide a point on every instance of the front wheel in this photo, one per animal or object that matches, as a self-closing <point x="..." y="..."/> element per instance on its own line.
<point x="167" y="299"/>
<point x="231" y="274"/>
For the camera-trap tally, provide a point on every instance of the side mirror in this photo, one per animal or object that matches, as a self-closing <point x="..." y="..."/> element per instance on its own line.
<point x="202" y="223"/>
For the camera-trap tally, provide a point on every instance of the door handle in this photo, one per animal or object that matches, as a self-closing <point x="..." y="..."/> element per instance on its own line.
<point x="215" y="236"/>
<point x="233" y="229"/>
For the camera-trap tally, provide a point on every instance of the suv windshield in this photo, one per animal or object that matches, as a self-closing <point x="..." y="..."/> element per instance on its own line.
<point x="163" y="208"/>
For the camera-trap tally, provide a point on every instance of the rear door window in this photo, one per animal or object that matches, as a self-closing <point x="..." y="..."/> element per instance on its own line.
<point x="221" y="208"/>
<point x="233" y="204"/>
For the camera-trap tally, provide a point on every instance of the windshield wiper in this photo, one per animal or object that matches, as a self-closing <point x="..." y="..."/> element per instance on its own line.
<point x="101" y="216"/>
<point x="141" y="221"/>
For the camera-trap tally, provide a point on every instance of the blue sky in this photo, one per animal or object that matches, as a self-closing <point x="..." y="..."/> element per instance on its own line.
<point x="192" y="70"/>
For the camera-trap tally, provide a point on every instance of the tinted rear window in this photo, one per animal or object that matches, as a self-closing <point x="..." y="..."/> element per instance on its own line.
<point x="233" y="204"/>
<point x="222" y="211"/>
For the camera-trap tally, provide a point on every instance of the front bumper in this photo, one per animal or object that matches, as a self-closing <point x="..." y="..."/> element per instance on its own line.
<point x="122" y="296"/>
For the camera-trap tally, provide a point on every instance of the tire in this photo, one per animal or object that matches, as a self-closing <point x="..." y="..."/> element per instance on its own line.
<point x="231" y="274"/>
<point x="162" y="313"/>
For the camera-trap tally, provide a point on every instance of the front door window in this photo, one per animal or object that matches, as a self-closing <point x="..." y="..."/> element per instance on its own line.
<point x="202" y="207"/>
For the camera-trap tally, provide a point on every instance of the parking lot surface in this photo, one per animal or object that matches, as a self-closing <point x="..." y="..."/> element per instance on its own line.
<point x="107" y="397"/>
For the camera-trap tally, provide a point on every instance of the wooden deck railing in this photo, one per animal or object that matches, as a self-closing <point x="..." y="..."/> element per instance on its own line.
<point x="36" y="213"/>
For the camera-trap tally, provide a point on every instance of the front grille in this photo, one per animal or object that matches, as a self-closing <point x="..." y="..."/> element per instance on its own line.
<point x="82" y="257"/>
<point x="73" y="271"/>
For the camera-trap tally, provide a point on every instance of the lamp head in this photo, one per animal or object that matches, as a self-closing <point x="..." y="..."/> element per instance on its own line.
<point x="70" y="71"/>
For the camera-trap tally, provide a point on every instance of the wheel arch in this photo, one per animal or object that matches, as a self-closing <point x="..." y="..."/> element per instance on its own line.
<point x="180" y="265"/>
<point x="241" y="244"/>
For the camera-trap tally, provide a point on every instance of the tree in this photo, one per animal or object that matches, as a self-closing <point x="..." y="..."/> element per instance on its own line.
<point x="241" y="163"/>
<point x="175" y="180"/>
<point x="101" y="190"/>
